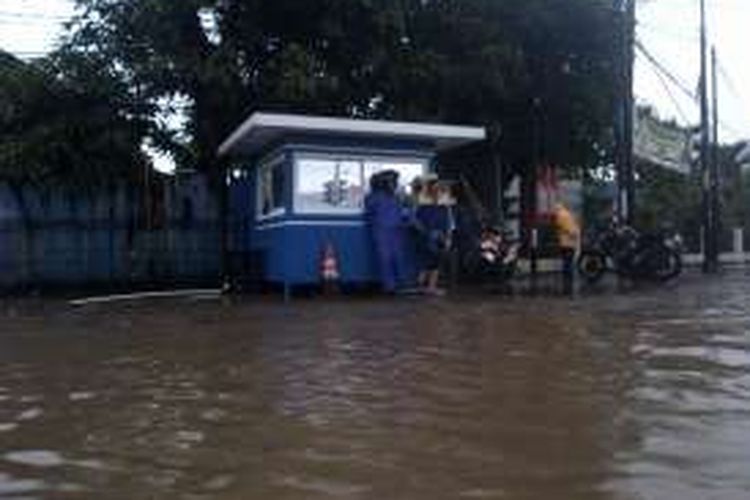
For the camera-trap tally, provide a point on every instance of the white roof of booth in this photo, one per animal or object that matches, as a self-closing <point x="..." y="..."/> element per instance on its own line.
<point x="263" y="128"/>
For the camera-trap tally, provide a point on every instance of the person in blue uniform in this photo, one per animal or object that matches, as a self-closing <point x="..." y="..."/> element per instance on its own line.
<point x="384" y="216"/>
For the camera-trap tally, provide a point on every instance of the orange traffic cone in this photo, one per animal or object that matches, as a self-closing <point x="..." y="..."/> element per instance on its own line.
<point x="329" y="269"/>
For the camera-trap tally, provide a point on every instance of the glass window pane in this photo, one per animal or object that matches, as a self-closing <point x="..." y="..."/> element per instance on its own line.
<point x="350" y="184"/>
<point x="316" y="186"/>
<point x="338" y="185"/>
<point x="278" y="182"/>
<point x="271" y="181"/>
<point x="264" y="192"/>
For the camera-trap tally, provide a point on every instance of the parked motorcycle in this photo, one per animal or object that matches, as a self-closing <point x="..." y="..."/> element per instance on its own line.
<point x="622" y="249"/>
<point x="494" y="258"/>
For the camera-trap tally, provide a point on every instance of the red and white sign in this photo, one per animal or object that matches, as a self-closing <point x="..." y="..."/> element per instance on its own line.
<point x="547" y="192"/>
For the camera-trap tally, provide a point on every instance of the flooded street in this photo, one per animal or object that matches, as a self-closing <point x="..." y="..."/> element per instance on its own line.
<point x="637" y="395"/>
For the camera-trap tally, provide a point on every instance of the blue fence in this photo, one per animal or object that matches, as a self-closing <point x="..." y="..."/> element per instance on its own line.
<point x="118" y="237"/>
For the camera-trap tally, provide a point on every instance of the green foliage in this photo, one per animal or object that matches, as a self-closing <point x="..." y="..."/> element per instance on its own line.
<point x="64" y="121"/>
<point x="516" y="67"/>
<point x="667" y="198"/>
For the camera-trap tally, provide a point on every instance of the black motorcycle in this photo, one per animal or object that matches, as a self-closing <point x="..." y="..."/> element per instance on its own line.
<point x="493" y="258"/>
<point x="630" y="254"/>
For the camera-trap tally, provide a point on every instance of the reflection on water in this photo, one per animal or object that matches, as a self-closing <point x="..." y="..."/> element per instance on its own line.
<point x="607" y="397"/>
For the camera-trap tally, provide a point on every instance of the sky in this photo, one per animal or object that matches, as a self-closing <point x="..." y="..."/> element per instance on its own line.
<point x="30" y="28"/>
<point x="668" y="29"/>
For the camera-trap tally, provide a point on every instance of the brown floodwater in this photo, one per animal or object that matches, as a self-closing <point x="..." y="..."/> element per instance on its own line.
<point x="643" y="394"/>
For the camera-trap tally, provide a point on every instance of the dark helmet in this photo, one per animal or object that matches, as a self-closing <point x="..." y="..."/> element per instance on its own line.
<point x="391" y="179"/>
<point x="377" y="182"/>
<point x="387" y="180"/>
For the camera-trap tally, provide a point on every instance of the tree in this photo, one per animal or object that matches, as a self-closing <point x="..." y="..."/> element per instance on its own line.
<point x="506" y="65"/>
<point x="160" y="50"/>
<point x="65" y="123"/>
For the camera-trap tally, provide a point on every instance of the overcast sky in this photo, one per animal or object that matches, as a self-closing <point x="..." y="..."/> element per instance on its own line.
<point x="667" y="28"/>
<point x="669" y="31"/>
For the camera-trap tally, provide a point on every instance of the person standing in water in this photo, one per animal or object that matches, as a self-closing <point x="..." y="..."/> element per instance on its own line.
<point x="433" y="223"/>
<point x="568" y="235"/>
<point x="385" y="220"/>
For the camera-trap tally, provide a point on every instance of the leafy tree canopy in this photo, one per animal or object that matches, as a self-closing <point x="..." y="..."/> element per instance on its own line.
<point x="516" y="67"/>
<point x="65" y="121"/>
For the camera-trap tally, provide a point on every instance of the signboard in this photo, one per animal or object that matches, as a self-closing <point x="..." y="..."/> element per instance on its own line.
<point x="547" y="190"/>
<point x="552" y="190"/>
<point x="663" y="144"/>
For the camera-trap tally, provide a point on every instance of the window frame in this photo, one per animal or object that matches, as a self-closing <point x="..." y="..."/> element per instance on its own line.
<point x="278" y="161"/>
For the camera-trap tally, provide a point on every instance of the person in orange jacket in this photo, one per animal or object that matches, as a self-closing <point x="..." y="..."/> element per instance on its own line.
<point x="568" y="237"/>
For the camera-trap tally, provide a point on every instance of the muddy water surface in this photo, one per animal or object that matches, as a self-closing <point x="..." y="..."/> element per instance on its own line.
<point x="643" y="395"/>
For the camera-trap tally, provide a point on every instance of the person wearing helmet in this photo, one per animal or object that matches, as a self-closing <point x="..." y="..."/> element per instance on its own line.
<point x="384" y="217"/>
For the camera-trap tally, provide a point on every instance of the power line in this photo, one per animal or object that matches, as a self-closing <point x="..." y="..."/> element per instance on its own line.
<point x="679" y="83"/>
<point x="670" y="94"/>
<point x="676" y="81"/>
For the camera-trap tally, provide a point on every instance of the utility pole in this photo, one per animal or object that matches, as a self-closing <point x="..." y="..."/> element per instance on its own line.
<point x="625" y="104"/>
<point x="533" y="201"/>
<point x="714" y="171"/>
<point x="709" y="264"/>
<point x="629" y="167"/>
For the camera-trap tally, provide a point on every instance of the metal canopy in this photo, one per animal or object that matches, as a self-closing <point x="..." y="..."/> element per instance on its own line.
<point x="262" y="129"/>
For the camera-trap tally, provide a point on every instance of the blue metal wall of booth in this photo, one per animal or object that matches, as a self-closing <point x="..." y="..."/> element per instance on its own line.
<point x="294" y="247"/>
<point x="290" y="245"/>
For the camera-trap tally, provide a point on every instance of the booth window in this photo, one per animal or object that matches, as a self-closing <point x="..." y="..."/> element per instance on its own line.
<point x="271" y="181"/>
<point x="338" y="186"/>
<point x="328" y="186"/>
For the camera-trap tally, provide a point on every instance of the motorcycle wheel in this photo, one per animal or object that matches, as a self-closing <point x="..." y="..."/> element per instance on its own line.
<point x="591" y="265"/>
<point x="669" y="265"/>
